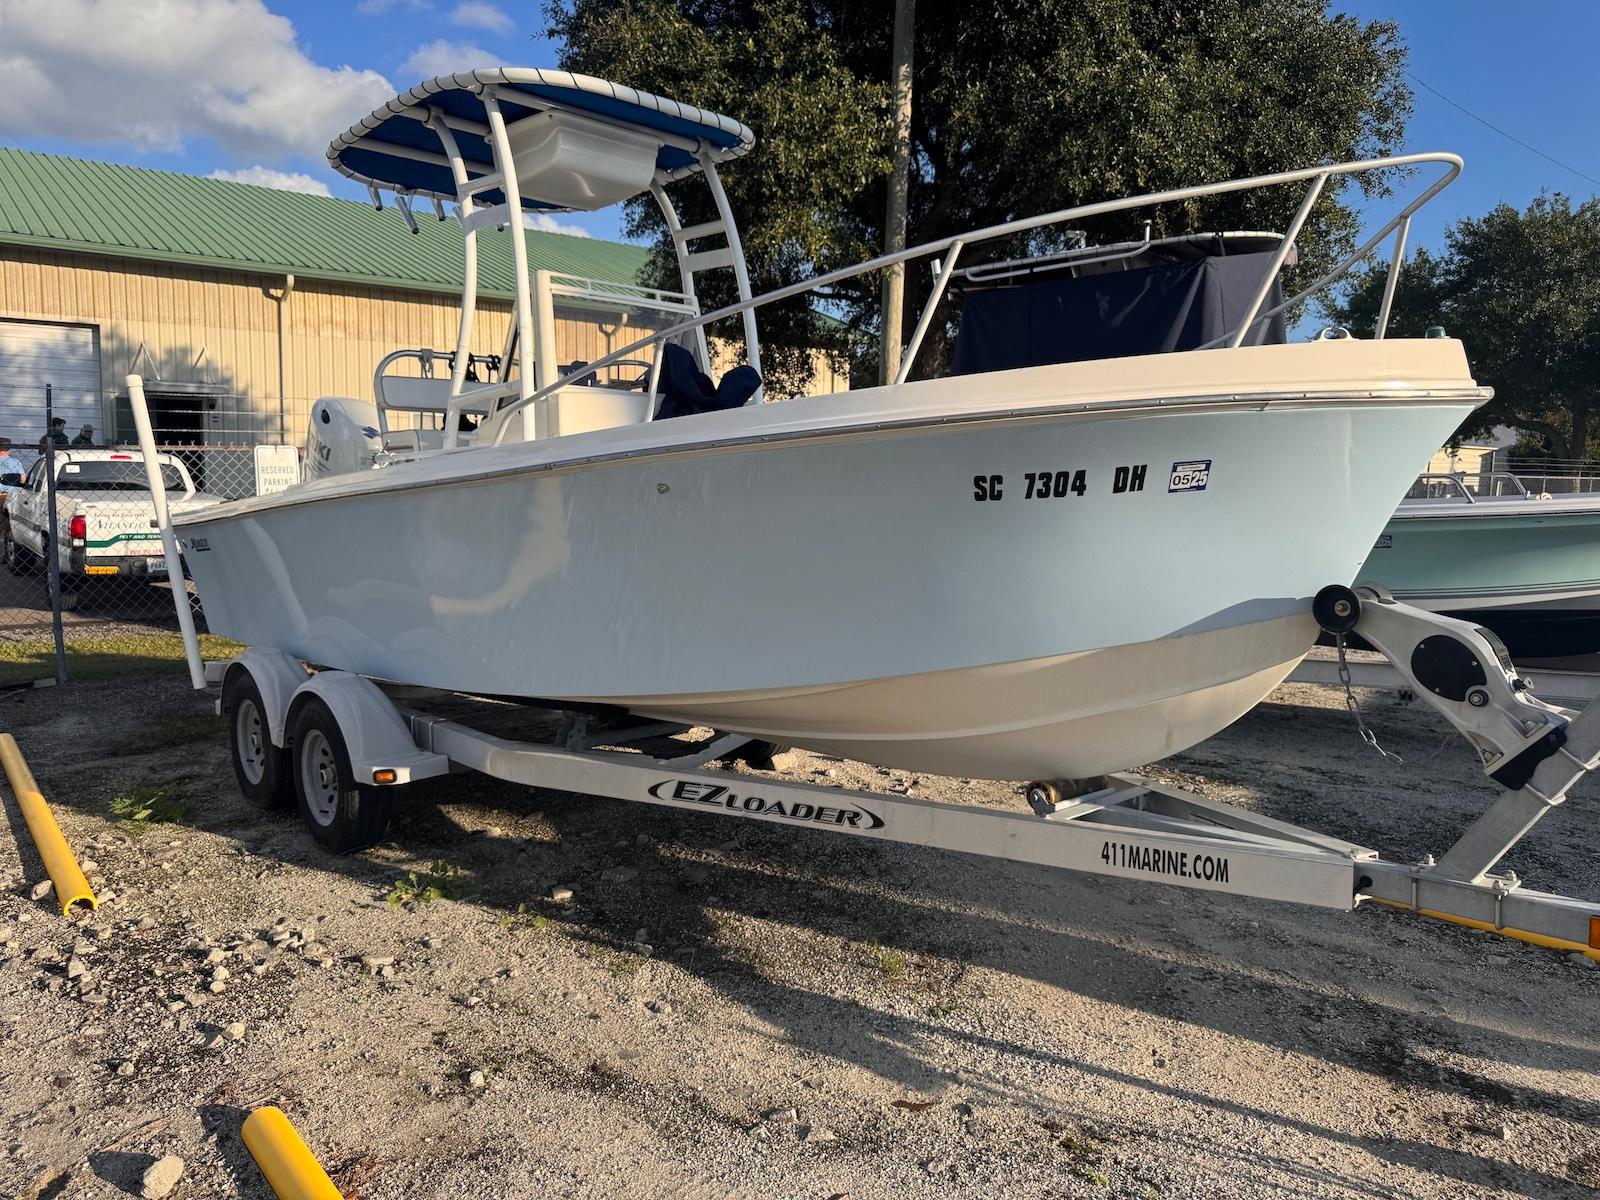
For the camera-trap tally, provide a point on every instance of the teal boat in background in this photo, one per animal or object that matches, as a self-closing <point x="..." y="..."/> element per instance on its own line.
<point x="1524" y="566"/>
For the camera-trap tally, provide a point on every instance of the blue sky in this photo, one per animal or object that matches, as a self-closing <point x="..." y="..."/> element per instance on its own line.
<point x="259" y="88"/>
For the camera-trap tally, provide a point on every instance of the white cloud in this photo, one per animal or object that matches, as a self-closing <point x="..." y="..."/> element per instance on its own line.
<point x="163" y="72"/>
<point x="284" y="181"/>
<point x="548" y="224"/>
<point x="481" y="15"/>
<point x="445" y="58"/>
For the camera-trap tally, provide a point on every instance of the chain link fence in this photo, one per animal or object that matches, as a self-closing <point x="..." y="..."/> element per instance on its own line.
<point x="84" y="590"/>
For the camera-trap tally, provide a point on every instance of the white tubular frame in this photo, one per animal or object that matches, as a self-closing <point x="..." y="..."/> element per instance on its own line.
<point x="1279" y="257"/>
<point x="1317" y="176"/>
<point x="669" y="213"/>
<point x="163" y="522"/>
<point x="469" y="279"/>
<point x="1394" y="275"/>
<point x="519" y="258"/>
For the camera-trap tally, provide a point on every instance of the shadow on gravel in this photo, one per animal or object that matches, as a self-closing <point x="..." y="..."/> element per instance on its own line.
<point x="121" y="1169"/>
<point x="925" y="906"/>
<point x="224" y="1122"/>
<point x="933" y="903"/>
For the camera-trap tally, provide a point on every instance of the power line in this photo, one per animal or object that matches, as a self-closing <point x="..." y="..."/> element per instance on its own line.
<point x="1491" y="125"/>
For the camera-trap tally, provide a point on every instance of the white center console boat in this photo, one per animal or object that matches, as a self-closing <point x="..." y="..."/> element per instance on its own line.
<point x="1045" y="566"/>
<point x="1059" y="570"/>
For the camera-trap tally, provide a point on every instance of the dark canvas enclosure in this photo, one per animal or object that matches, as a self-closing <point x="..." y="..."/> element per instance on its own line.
<point x="1173" y="305"/>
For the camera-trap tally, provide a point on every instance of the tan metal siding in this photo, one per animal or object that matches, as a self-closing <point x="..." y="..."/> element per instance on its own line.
<point x="204" y="325"/>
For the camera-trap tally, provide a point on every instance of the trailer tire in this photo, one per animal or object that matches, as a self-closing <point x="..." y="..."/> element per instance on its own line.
<point x="341" y="816"/>
<point x="261" y="769"/>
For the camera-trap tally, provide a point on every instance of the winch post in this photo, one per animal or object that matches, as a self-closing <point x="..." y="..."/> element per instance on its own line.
<point x="1534" y="750"/>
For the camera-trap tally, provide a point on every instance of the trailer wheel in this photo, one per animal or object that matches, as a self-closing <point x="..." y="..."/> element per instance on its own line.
<point x="262" y="769"/>
<point x="340" y="815"/>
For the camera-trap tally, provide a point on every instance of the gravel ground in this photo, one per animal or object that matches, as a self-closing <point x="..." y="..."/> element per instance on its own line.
<point x="730" y="1009"/>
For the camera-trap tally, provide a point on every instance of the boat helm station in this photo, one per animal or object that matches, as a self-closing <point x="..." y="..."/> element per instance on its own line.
<point x="522" y="589"/>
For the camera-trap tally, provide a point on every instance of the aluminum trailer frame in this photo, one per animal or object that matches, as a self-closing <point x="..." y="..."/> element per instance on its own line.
<point x="1131" y="828"/>
<point x="1123" y="826"/>
<point x="1553" y="683"/>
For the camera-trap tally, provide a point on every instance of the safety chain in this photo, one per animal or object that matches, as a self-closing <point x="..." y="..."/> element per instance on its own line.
<point x="1367" y="735"/>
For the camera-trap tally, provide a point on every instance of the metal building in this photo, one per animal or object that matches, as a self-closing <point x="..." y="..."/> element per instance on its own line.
<point x="240" y="305"/>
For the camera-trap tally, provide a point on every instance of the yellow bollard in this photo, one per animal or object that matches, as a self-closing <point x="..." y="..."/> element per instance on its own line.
<point x="71" y="887"/>
<point x="284" y="1159"/>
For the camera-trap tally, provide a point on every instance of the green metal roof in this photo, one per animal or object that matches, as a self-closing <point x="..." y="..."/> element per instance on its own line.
<point x="60" y="203"/>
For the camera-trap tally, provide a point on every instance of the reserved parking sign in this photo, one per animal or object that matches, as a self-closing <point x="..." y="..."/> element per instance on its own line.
<point x="277" y="467"/>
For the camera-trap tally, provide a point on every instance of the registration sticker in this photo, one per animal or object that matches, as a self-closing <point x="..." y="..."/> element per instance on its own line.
<point x="1190" y="476"/>
<point x="1385" y="542"/>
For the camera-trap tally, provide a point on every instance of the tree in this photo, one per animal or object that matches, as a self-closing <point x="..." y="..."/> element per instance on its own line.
<point x="1522" y="291"/>
<point x="891" y="341"/>
<point x="1020" y="109"/>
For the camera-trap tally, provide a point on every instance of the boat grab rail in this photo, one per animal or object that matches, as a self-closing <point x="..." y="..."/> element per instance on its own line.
<point x="1316" y="176"/>
<point x="1456" y="480"/>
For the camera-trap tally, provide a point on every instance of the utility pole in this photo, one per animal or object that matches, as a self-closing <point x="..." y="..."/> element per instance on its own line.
<point x="894" y="226"/>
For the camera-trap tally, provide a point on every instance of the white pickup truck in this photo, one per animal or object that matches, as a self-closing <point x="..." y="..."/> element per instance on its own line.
<point x="105" y="517"/>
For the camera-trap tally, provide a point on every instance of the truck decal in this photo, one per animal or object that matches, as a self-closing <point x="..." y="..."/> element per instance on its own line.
<point x="97" y="543"/>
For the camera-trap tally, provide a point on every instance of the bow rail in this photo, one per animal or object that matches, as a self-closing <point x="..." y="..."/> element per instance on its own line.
<point x="1315" y="177"/>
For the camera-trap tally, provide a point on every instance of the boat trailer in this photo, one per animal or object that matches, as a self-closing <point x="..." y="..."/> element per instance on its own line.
<point x="341" y="743"/>
<point x="338" y="743"/>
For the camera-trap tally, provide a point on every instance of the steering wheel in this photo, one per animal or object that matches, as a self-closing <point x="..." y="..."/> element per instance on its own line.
<point x="639" y="384"/>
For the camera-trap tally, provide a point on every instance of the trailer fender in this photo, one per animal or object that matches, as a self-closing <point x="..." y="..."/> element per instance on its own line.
<point x="277" y="676"/>
<point x="376" y="737"/>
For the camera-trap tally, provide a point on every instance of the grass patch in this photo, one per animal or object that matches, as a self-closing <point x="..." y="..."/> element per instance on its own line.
<point x="441" y="881"/>
<point x="145" y="805"/>
<point x="523" y="917"/>
<point x="90" y="659"/>
<point x="624" y="964"/>
<point x="892" y="963"/>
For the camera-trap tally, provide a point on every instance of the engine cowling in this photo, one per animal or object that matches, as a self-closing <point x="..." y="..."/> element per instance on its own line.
<point x="343" y="437"/>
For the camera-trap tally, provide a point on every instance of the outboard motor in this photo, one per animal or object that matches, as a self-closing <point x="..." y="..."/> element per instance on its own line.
<point x="343" y="437"/>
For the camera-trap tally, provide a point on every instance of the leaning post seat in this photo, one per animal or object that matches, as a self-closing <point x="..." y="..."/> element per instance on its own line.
<point x="686" y="389"/>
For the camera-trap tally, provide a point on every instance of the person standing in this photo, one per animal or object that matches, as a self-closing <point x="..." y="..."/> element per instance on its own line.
<point x="85" y="436"/>
<point x="56" y="435"/>
<point x="8" y="466"/>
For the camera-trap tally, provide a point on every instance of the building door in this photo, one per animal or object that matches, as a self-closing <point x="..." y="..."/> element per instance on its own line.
<point x="67" y="357"/>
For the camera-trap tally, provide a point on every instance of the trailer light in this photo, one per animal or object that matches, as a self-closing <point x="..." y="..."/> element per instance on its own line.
<point x="1594" y="933"/>
<point x="385" y="775"/>
<point x="78" y="528"/>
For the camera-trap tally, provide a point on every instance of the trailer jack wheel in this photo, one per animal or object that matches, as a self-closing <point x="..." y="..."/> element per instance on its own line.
<point x="261" y="768"/>
<point x="340" y="815"/>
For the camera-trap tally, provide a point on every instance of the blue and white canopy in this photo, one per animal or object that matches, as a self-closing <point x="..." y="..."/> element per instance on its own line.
<point x="395" y="148"/>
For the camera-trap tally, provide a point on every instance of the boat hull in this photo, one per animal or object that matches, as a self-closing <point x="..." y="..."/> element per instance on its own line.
<point x="1527" y="570"/>
<point x="1049" y="590"/>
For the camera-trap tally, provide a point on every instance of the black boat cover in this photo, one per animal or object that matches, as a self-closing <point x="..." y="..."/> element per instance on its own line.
<point x="1174" y="305"/>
